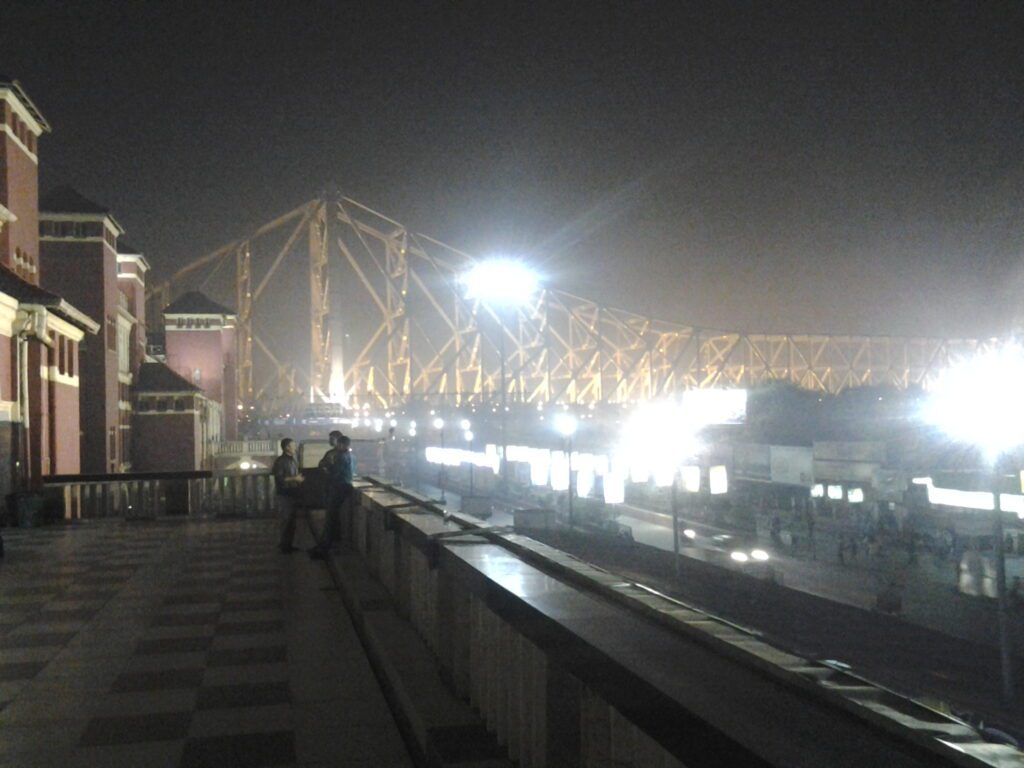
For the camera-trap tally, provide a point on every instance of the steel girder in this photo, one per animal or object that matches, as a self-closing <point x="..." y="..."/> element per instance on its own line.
<point x="407" y="333"/>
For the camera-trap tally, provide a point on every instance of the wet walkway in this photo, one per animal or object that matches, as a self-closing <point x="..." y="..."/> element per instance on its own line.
<point x="180" y="644"/>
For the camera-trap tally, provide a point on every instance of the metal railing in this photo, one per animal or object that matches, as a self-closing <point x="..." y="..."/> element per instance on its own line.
<point x="246" y="448"/>
<point x="148" y="495"/>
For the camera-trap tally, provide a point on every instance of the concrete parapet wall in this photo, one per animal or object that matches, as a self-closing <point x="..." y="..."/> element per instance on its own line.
<point x="569" y="666"/>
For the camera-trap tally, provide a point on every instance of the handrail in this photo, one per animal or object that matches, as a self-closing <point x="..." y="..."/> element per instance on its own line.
<point x="125" y="477"/>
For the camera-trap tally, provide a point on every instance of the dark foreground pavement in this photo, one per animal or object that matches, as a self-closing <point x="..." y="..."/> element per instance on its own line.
<point x="180" y="643"/>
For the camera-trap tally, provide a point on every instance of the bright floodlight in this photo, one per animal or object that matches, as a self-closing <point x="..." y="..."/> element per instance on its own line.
<point x="978" y="401"/>
<point x="438" y="423"/>
<point x="464" y="425"/>
<point x="565" y="424"/>
<point x="468" y="436"/>
<point x="501" y="282"/>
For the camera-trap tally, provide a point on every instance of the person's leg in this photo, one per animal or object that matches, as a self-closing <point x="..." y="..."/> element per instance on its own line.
<point x="286" y="515"/>
<point x="344" y="499"/>
<point x="326" y="537"/>
<point x="332" y="520"/>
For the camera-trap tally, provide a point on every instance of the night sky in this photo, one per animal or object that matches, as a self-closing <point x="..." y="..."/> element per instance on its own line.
<point x="754" y="166"/>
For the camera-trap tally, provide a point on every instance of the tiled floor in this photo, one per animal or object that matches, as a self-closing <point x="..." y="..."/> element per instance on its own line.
<point x="180" y="644"/>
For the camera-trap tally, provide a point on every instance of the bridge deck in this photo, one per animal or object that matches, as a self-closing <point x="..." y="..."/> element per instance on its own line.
<point x="180" y="643"/>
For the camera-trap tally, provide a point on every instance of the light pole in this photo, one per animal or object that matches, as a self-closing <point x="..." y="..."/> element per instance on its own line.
<point x="439" y="426"/>
<point x="675" y="521"/>
<point x="503" y="418"/>
<point x="978" y="402"/>
<point x="500" y="284"/>
<point x="566" y="425"/>
<point x="467" y="435"/>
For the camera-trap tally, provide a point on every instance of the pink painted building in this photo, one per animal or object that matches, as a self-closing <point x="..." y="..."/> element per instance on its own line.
<point x="40" y="331"/>
<point x="199" y="338"/>
<point x="177" y="426"/>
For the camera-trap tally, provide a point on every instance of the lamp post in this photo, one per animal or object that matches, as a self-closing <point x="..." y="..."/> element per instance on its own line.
<point x="566" y="425"/>
<point x="675" y="521"/>
<point x="978" y="402"/>
<point x="499" y="284"/>
<point x="467" y="435"/>
<point x="439" y="426"/>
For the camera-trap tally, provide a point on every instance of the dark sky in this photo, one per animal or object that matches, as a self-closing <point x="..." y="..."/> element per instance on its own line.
<point x="847" y="168"/>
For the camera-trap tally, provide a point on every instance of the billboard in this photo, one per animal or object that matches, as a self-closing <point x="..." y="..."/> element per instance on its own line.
<point x="792" y="465"/>
<point x="752" y="461"/>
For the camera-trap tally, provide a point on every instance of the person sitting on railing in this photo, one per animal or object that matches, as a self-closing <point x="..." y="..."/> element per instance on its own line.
<point x="287" y="479"/>
<point x="339" y="464"/>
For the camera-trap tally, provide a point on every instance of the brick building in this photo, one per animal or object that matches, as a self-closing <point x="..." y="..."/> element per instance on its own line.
<point x="80" y="259"/>
<point x="21" y="125"/>
<point x="40" y="330"/>
<point x="199" y="340"/>
<point x="176" y="424"/>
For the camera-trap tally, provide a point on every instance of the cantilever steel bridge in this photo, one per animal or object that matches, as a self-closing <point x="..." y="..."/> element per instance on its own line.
<point x="388" y="323"/>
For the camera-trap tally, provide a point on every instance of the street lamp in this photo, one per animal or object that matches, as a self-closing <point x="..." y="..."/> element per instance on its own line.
<point x="501" y="283"/>
<point x="566" y="425"/>
<point x="978" y="402"/>
<point x="467" y="435"/>
<point x="657" y="438"/>
<point x="439" y="426"/>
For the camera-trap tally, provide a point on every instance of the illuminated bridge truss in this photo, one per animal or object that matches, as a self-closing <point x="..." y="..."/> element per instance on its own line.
<point x="385" y="306"/>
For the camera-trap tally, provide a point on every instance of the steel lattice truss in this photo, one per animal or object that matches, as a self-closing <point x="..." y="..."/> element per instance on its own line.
<point x="409" y="333"/>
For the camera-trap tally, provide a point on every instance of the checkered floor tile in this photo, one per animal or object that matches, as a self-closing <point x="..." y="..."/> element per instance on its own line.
<point x="178" y="643"/>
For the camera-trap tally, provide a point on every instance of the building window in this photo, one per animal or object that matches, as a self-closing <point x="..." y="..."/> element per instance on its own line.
<point x="123" y="354"/>
<point x="62" y="353"/>
<point x="179" y="403"/>
<point x="72" y="354"/>
<point x="161" y="405"/>
<point x="111" y="334"/>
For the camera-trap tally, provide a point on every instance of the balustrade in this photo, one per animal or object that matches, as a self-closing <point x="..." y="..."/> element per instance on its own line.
<point x="148" y="495"/>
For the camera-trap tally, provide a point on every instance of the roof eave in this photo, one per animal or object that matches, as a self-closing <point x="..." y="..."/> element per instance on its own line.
<point x="78" y="317"/>
<point x="33" y="110"/>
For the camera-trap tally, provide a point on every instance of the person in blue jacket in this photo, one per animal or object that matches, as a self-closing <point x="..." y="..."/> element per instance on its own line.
<point x="339" y="465"/>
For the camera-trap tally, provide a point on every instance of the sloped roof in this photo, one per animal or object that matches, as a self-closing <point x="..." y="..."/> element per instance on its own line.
<point x="14" y="85"/>
<point x="196" y="303"/>
<point x="157" y="377"/>
<point x="67" y="199"/>
<point x="26" y="293"/>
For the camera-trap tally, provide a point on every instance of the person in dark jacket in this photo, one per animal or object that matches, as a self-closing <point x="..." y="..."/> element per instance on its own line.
<point x="287" y="480"/>
<point x="339" y="465"/>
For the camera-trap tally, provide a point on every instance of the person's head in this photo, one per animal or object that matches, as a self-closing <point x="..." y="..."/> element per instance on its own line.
<point x="334" y="437"/>
<point x="344" y="442"/>
<point x="287" y="446"/>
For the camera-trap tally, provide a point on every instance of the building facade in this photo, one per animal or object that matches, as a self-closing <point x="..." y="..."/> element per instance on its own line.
<point x="21" y="126"/>
<point x="80" y="259"/>
<point x="41" y="332"/>
<point x="199" y="340"/>
<point x="178" y="427"/>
